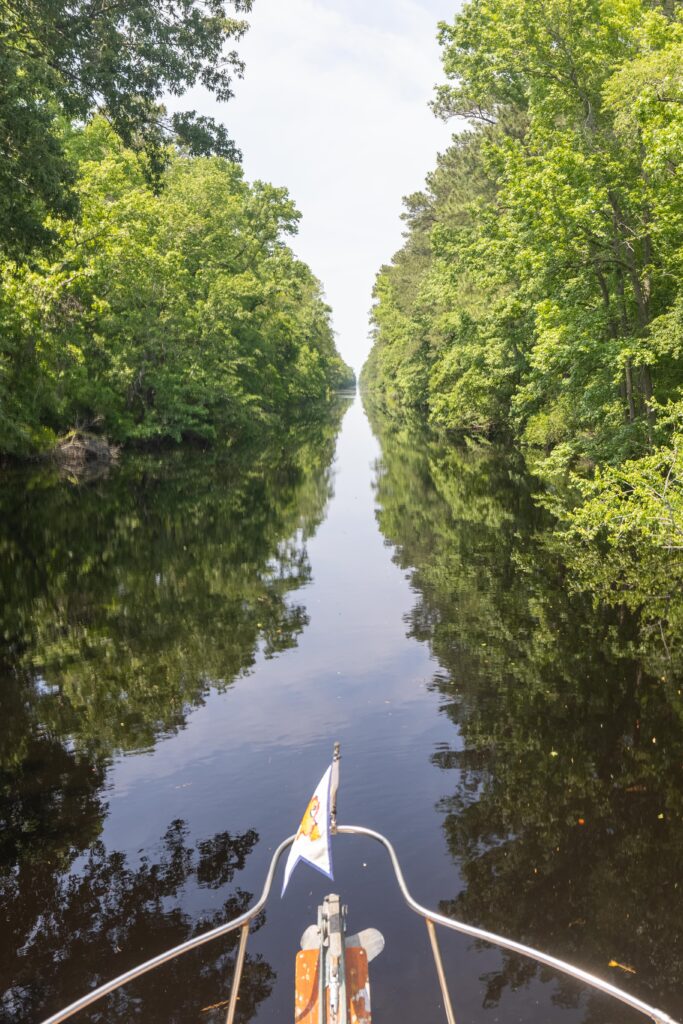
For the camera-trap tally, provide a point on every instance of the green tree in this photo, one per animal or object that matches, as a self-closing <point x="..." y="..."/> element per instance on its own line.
<point x="60" y="61"/>
<point x="538" y="292"/>
<point x="162" y="315"/>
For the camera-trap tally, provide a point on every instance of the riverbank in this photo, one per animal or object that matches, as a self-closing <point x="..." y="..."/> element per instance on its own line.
<point x="163" y="313"/>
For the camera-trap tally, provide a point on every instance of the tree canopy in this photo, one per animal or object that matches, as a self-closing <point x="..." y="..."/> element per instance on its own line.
<point x="539" y="291"/>
<point x="67" y="61"/>
<point x="146" y="289"/>
<point x="161" y="314"/>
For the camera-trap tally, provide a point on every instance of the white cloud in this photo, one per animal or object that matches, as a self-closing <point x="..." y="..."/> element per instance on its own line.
<point x="334" y="106"/>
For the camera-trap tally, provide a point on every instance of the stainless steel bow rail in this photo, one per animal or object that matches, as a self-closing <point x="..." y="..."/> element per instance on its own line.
<point x="431" y="918"/>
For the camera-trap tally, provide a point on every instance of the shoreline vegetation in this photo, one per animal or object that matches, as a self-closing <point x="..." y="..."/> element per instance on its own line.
<point x="147" y="291"/>
<point x="538" y="296"/>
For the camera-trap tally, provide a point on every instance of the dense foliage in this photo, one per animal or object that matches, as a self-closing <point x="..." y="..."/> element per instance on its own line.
<point x="539" y="292"/>
<point x="68" y="60"/>
<point x="161" y="314"/>
<point x="146" y="290"/>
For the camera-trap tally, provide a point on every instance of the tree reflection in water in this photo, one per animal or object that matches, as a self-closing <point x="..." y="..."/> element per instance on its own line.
<point x="110" y="915"/>
<point x="566" y="818"/>
<point x="125" y="601"/>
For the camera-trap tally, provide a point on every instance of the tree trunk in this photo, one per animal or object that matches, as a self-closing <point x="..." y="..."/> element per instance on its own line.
<point x="628" y="379"/>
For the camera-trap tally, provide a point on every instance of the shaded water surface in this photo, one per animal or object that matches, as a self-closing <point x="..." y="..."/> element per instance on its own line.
<point x="181" y="643"/>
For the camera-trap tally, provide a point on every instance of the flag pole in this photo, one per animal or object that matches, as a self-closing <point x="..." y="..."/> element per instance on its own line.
<point x="334" y="786"/>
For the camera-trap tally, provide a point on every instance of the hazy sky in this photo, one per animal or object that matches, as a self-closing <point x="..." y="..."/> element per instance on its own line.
<point x="333" y="105"/>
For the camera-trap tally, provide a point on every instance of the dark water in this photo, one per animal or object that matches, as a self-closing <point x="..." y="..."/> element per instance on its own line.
<point x="183" y="641"/>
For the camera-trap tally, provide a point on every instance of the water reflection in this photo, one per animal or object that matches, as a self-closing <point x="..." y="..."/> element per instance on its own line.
<point x="124" y="601"/>
<point x="566" y="813"/>
<point x="109" y="915"/>
<point x="130" y="598"/>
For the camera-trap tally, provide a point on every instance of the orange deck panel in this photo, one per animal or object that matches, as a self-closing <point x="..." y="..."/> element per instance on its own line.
<point x="357" y="987"/>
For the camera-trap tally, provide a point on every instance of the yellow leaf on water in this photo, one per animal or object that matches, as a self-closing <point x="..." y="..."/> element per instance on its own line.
<point x="622" y="967"/>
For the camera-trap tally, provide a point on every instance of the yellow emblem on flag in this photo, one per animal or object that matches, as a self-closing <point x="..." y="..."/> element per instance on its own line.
<point x="309" y="822"/>
<point x="312" y="840"/>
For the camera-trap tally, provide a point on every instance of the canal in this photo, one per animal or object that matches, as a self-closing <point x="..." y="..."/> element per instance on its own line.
<point x="184" y="639"/>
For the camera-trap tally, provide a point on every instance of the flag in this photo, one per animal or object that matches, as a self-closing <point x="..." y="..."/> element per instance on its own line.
<point x="312" y="841"/>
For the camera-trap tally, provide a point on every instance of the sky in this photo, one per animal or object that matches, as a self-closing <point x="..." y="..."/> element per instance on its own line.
<point x="334" y="106"/>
